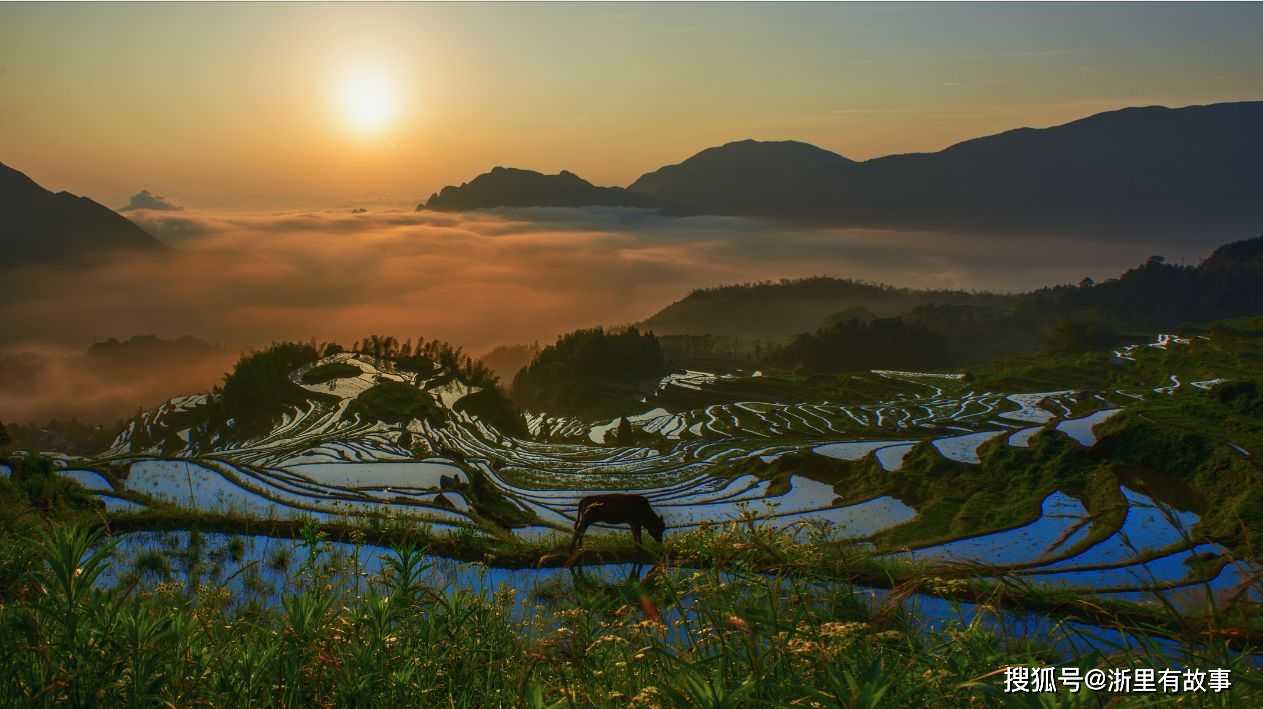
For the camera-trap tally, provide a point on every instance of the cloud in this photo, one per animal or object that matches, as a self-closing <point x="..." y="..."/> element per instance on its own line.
<point x="148" y="200"/>
<point x="485" y="278"/>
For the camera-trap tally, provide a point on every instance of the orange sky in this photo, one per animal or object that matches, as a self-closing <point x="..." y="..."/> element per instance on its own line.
<point x="245" y="105"/>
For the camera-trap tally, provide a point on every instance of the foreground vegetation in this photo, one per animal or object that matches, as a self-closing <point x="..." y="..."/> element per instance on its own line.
<point x="747" y="616"/>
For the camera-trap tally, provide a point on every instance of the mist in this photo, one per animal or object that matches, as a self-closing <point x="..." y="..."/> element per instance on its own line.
<point x="475" y="279"/>
<point x="40" y="384"/>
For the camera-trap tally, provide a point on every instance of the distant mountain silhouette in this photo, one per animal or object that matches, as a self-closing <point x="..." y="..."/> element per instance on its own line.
<point x="37" y="225"/>
<point x="1193" y="169"/>
<point x="511" y="187"/>
<point x="784" y="179"/>
<point x="1131" y="168"/>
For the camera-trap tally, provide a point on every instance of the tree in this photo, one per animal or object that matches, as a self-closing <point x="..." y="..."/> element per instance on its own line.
<point x="258" y="389"/>
<point x="586" y="370"/>
<point x="1082" y="332"/>
<point x="624" y="435"/>
<point x="4" y="436"/>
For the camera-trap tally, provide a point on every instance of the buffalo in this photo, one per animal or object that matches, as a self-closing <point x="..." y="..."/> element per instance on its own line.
<point x="618" y="508"/>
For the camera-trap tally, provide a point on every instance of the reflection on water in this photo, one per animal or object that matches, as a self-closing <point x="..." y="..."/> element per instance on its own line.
<point x="257" y="571"/>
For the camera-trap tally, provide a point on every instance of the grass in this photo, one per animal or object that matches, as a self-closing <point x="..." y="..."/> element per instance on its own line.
<point x="733" y="631"/>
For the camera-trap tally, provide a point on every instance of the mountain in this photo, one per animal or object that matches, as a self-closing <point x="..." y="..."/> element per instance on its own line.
<point x="1190" y="171"/>
<point x="843" y="325"/>
<point x="37" y="225"/>
<point x="771" y="179"/>
<point x="789" y="307"/>
<point x="511" y="187"/>
<point x="1135" y="168"/>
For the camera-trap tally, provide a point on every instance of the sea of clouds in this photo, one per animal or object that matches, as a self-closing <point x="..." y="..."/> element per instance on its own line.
<point x="475" y="279"/>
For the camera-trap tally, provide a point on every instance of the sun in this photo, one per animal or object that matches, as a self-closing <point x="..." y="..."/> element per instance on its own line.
<point x="367" y="102"/>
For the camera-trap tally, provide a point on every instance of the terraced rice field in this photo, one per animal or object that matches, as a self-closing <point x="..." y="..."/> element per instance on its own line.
<point x="317" y="464"/>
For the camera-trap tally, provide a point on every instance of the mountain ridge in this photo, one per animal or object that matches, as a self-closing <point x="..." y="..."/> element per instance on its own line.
<point x="40" y="226"/>
<point x="1132" y="169"/>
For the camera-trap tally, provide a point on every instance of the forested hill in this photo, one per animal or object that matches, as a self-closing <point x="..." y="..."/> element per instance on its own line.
<point x="1154" y="296"/>
<point x="593" y="371"/>
<point x="788" y="307"/>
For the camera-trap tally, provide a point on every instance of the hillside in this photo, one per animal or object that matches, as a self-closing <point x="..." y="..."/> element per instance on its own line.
<point x="832" y="319"/>
<point x="789" y="307"/>
<point x="38" y="226"/>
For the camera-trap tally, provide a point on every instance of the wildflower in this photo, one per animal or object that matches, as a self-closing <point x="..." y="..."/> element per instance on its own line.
<point x="646" y="697"/>
<point x="839" y="630"/>
<point x="802" y="646"/>
<point x="889" y="635"/>
<point x="610" y="639"/>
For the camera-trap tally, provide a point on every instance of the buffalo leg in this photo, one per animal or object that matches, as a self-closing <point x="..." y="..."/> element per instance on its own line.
<point x="580" y="526"/>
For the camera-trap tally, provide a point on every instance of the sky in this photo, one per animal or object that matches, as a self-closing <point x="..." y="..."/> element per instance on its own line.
<point x="243" y="133"/>
<point x="282" y="106"/>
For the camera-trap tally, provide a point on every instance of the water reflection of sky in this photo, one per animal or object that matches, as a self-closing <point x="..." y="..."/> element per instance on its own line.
<point x="251" y="569"/>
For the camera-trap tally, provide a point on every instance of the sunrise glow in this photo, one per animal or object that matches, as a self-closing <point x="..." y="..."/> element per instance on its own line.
<point x="368" y="103"/>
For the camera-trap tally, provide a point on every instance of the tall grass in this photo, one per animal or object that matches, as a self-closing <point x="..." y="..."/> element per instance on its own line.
<point x="734" y="632"/>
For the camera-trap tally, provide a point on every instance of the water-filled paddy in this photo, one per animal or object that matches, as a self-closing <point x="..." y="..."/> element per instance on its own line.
<point x="964" y="449"/>
<point x="1063" y="522"/>
<point x="854" y="450"/>
<point x="410" y="474"/>
<point x="118" y="504"/>
<point x="1081" y="429"/>
<point x="89" y="479"/>
<point x="196" y="487"/>
<point x="1148" y="528"/>
<point x="257" y="570"/>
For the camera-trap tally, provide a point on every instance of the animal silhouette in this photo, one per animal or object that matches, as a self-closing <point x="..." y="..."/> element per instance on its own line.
<point x="618" y="508"/>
